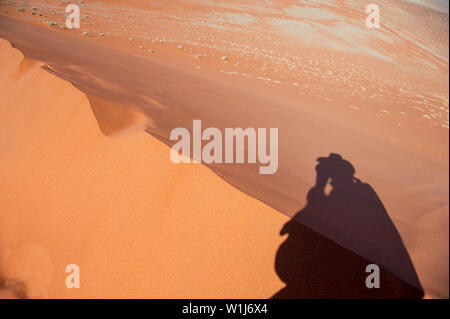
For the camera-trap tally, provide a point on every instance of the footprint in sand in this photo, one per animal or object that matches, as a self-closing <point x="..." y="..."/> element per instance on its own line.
<point x="26" y="272"/>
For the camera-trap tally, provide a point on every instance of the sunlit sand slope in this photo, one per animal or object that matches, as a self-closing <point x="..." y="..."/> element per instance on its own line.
<point x="135" y="223"/>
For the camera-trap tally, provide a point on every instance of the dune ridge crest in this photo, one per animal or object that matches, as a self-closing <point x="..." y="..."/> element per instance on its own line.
<point x="136" y="224"/>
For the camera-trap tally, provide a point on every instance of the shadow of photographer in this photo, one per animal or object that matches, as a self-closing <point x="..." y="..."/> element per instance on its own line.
<point x="314" y="266"/>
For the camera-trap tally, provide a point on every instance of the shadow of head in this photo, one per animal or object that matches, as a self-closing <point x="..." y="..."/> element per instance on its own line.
<point x="334" y="168"/>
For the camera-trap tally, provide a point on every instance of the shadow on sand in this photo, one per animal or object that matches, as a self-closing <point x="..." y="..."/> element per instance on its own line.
<point x="313" y="266"/>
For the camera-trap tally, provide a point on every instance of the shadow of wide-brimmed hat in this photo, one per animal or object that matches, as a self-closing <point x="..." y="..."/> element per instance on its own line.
<point x="337" y="163"/>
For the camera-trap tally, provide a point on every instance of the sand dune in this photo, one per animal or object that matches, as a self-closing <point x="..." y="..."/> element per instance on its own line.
<point x="137" y="225"/>
<point x="103" y="191"/>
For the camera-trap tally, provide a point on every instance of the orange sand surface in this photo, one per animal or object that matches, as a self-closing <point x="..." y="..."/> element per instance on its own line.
<point x="83" y="182"/>
<point x="161" y="230"/>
